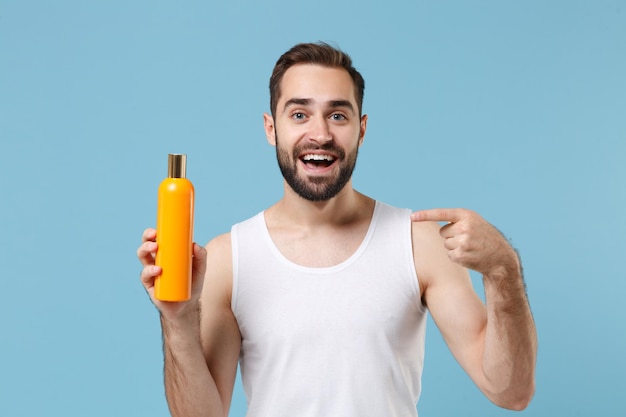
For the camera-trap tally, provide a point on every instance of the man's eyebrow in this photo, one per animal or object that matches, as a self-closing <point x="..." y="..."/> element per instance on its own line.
<point x="341" y="103"/>
<point x="297" y="102"/>
<point x="307" y="101"/>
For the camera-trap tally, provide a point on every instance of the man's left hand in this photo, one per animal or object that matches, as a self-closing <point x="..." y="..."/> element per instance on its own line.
<point x="470" y="240"/>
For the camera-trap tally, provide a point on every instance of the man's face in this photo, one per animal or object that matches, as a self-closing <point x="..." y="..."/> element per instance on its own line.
<point x="317" y="130"/>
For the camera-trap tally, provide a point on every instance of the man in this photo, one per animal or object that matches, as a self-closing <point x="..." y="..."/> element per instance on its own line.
<point x="323" y="296"/>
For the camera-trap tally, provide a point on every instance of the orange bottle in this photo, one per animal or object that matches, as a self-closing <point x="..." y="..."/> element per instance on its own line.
<point x="174" y="233"/>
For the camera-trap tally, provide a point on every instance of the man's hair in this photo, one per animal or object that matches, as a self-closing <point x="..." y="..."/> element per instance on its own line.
<point x="319" y="54"/>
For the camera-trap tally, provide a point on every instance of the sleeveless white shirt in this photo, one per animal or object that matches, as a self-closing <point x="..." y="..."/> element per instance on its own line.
<point x="342" y="341"/>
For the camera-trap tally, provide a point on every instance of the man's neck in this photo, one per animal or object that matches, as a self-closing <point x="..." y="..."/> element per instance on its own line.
<point x="320" y="233"/>
<point x="346" y="207"/>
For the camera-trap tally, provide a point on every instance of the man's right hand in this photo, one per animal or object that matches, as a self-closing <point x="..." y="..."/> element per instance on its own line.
<point x="147" y="254"/>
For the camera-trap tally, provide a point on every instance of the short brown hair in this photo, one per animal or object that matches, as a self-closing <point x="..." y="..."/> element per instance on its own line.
<point x="314" y="53"/>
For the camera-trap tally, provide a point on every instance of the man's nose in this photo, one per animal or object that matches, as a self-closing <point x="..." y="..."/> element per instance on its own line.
<point x="319" y="130"/>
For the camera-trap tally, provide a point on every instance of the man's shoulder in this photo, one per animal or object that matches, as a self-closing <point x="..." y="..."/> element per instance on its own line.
<point x="250" y="219"/>
<point x="387" y="210"/>
<point x="219" y="245"/>
<point x="223" y="243"/>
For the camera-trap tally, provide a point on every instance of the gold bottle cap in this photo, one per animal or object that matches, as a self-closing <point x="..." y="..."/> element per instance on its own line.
<point x="176" y="165"/>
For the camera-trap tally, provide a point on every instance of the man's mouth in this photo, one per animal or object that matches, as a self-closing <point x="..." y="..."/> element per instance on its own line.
<point x="313" y="160"/>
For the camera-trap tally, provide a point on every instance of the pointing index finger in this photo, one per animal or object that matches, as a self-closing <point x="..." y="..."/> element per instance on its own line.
<point x="437" y="215"/>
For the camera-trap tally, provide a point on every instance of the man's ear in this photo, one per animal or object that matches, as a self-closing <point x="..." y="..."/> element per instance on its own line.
<point x="270" y="131"/>
<point x="362" y="129"/>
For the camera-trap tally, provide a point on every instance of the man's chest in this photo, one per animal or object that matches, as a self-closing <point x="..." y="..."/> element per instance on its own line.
<point x="318" y="248"/>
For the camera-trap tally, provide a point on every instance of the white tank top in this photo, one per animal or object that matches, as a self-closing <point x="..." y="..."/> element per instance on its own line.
<point x="346" y="340"/>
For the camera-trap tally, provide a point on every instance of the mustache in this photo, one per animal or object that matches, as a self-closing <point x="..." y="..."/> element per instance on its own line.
<point x="330" y="147"/>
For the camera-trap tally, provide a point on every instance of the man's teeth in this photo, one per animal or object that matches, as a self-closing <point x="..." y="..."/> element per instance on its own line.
<point x="316" y="157"/>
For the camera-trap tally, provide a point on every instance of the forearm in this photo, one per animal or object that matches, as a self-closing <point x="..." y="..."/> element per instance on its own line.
<point x="510" y="348"/>
<point x="189" y="387"/>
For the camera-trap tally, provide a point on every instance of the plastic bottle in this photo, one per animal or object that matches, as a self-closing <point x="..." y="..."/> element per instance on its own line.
<point x="174" y="232"/>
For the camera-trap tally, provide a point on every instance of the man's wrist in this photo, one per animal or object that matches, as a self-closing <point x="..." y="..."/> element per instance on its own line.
<point x="184" y="326"/>
<point x="506" y="277"/>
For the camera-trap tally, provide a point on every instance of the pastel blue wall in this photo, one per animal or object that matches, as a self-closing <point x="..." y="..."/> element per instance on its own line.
<point x="514" y="109"/>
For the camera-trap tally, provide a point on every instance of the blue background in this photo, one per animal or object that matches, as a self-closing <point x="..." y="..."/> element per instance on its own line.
<point x="514" y="109"/>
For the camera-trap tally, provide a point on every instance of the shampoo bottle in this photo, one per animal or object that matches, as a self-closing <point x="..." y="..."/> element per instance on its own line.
<point x="174" y="233"/>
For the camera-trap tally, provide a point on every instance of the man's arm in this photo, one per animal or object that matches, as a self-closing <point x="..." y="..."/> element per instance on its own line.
<point x="496" y="344"/>
<point x="201" y="340"/>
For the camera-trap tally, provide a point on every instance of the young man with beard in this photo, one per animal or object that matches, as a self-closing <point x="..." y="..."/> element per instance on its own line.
<point x="322" y="298"/>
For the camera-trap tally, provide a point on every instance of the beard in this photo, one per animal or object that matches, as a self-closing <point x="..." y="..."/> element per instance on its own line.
<point x="316" y="188"/>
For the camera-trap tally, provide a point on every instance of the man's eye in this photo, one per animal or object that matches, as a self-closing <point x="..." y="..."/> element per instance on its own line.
<point x="298" y="116"/>
<point x="338" y="117"/>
